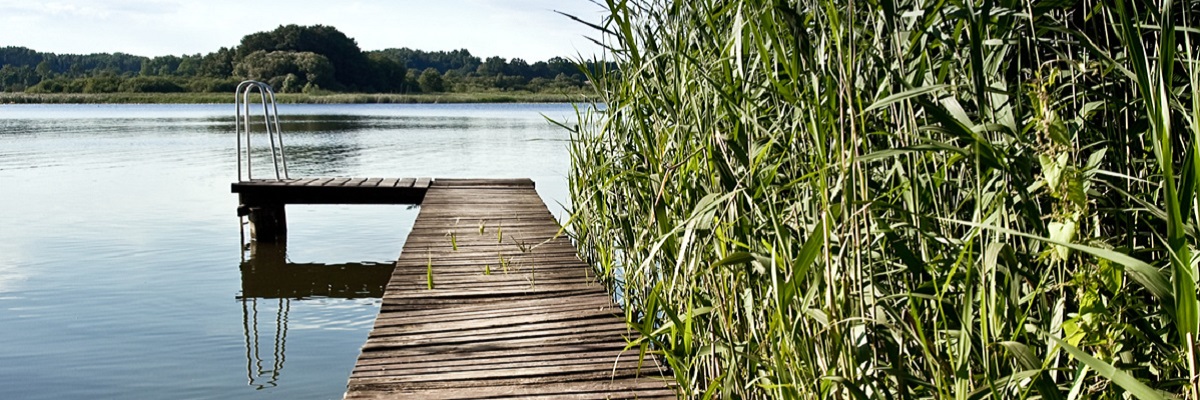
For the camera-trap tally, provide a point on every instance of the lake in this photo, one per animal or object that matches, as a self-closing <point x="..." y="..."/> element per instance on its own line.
<point x="123" y="268"/>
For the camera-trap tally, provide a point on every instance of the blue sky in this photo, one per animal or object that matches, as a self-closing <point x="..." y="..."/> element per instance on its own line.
<point x="528" y="29"/>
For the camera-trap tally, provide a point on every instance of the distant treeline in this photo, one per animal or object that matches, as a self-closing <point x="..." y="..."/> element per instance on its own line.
<point x="291" y="59"/>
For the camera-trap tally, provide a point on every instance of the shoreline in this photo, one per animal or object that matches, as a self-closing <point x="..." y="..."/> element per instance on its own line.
<point x="293" y="98"/>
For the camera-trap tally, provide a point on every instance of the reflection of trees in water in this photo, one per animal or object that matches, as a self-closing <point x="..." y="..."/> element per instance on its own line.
<point x="307" y="123"/>
<point x="316" y="124"/>
<point x="270" y="283"/>
<point x="307" y="159"/>
<point x="13" y="127"/>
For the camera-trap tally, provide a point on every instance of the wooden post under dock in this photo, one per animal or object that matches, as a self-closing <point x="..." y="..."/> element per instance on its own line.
<point x="488" y="300"/>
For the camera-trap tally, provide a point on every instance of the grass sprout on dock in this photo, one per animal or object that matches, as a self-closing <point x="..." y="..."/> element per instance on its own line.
<point x="429" y="271"/>
<point x="521" y="244"/>
<point x="503" y="262"/>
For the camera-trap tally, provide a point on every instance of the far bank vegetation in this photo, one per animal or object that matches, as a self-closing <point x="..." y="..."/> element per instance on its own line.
<point x="292" y="59"/>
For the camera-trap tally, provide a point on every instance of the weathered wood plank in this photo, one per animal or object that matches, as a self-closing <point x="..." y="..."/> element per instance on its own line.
<point x="318" y="182"/>
<point x="495" y="357"/>
<point x="338" y="181"/>
<point x="388" y="182"/>
<point x="618" y="389"/>
<point x="456" y="182"/>
<point x="301" y="182"/>
<point x="354" y="182"/>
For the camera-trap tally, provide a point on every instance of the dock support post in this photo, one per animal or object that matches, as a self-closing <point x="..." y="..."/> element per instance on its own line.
<point x="268" y="222"/>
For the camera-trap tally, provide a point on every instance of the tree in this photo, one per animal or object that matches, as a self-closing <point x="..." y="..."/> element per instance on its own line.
<point x="518" y="67"/>
<point x="44" y="70"/>
<point x="19" y="56"/>
<point x="295" y="69"/>
<point x="387" y="75"/>
<point x="160" y="66"/>
<point x="16" y="79"/>
<point x="430" y="81"/>
<point x="218" y="64"/>
<point x="493" y="66"/>
<point x="350" y="65"/>
<point x="188" y="65"/>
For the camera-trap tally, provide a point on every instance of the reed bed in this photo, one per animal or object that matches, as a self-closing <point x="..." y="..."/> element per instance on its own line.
<point x="900" y="199"/>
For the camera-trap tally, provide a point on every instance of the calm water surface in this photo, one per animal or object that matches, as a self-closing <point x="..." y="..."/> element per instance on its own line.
<point x="123" y="274"/>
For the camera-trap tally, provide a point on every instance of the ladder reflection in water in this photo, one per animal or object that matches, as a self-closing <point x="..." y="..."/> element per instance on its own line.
<point x="268" y="275"/>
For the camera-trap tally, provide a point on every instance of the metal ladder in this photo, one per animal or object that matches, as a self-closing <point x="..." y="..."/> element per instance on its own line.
<point x="270" y="123"/>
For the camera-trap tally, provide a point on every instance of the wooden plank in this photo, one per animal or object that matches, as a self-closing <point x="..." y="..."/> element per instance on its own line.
<point x="484" y="356"/>
<point x="542" y="329"/>
<point x="353" y="182"/>
<point x="300" y="182"/>
<point x="318" y="182"/>
<point x="337" y="182"/>
<point x="591" y="390"/>
<point x="372" y="182"/>
<point x="623" y="389"/>
<point x="388" y="182"/>
<point x="476" y="183"/>
<point x="406" y="183"/>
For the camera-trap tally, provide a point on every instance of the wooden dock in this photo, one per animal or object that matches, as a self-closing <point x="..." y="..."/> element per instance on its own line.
<point x="488" y="301"/>
<point x="332" y="191"/>
<point x="263" y="200"/>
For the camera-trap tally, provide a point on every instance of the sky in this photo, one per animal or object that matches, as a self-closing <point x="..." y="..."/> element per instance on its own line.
<point x="527" y="29"/>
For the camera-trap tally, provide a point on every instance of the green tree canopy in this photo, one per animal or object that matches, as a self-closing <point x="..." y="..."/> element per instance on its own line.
<point x="286" y="71"/>
<point x="387" y="75"/>
<point x="430" y="81"/>
<point x="350" y="65"/>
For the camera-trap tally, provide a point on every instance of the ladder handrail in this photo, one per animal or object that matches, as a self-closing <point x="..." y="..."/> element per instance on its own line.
<point x="242" y="124"/>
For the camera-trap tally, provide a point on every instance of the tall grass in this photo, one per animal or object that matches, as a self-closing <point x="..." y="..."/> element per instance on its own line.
<point x="901" y="198"/>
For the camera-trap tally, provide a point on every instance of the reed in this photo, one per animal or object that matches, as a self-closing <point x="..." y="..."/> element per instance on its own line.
<point x="900" y="198"/>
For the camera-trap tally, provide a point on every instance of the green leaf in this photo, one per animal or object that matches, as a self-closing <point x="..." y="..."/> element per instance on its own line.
<point x="907" y="94"/>
<point x="848" y="385"/>
<point x="1145" y="274"/>
<point x="1023" y="355"/>
<point x="808" y="255"/>
<point x="1052" y="172"/>
<point x="1117" y="376"/>
<point x="1063" y="232"/>
<point x="1072" y="331"/>
<point x="734" y="258"/>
